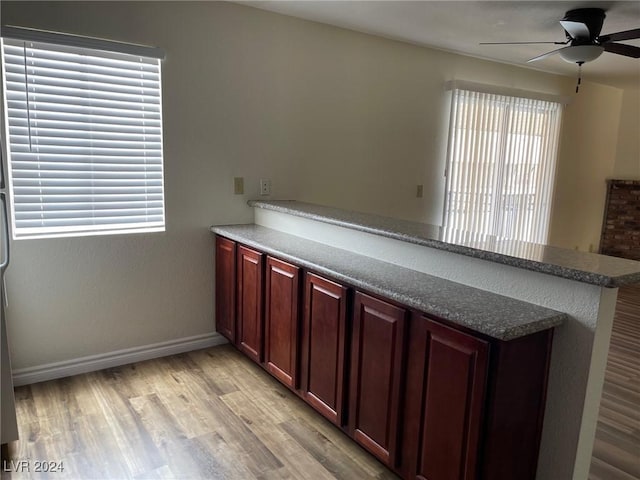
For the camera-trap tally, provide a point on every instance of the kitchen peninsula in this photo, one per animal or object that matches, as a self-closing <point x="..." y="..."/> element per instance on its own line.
<point x="479" y="316"/>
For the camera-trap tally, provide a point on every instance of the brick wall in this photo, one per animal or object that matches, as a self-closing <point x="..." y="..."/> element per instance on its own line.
<point x="621" y="226"/>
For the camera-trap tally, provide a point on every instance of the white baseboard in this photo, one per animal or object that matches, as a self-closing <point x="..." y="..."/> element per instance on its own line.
<point x="50" y="371"/>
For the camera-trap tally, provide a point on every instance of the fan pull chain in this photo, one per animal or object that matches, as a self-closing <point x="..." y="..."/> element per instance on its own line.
<point x="579" y="76"/>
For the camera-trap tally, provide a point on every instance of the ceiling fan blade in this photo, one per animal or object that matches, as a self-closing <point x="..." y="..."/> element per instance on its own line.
<point x="622" y="49"/>
<point x="626" y="35"/>
<point x="545" y="55"/>
<point x="522" y="43"/>
<point x="577" y="30"/>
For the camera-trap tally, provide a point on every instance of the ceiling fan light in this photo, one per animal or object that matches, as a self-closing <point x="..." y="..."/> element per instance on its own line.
<point x="581" y="53"/>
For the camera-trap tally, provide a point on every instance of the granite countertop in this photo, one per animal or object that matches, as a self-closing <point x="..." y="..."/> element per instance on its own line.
<point x="494" y="315"/>
<point x="583" y="267"/>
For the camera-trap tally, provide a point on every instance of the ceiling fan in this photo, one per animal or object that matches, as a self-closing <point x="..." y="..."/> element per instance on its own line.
<point x="583" y="42"/>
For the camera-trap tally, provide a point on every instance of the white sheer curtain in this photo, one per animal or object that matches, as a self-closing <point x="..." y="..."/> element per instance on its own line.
<point x="500" y="167"/>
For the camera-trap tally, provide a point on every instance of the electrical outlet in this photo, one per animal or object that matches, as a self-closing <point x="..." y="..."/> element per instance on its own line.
<point x="238" y="185"/>
<point x="265" y="186"/>
<point x="419" y="191"/>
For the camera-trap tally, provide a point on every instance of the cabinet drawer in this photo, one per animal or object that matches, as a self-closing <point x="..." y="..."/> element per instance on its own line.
<point x="249" y="274"/>
<point x="225" y="294"/>
<point x="377" y="370"/>
<point x="281" y="320"/>
<point x="452" y="385"/>
<point x="324" y="346"/>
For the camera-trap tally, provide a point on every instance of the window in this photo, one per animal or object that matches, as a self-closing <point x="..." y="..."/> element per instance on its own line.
<point x="84" y="130"/>
<point x="500" y="166"/>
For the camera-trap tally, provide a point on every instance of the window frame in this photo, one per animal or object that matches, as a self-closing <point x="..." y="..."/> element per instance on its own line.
<point x="513" y="99"/>
<point x="119" y="224"/>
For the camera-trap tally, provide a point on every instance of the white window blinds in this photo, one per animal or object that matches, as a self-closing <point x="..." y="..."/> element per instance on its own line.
<point x="500" y="167"/>
<point x="84" y="140"/>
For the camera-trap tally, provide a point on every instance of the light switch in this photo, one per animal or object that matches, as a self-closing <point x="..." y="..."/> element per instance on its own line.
<point x="238" y="185"/>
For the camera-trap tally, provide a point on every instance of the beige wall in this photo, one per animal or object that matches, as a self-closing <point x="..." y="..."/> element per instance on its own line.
<point x="627" y="164"/>
<point x="586" y="158"/>
<point x="600" y="140"/>
<point x="329" y="115"/>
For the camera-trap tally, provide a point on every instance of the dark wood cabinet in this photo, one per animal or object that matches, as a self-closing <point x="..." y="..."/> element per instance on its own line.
<point x="514" y="408"/>
<point x="451" y="387"/>
<point x="377" y="369"/>
<point x="324" y="346"/>
<point x="249" y="275"/>
<point x="432" y="400"/>
<point x="281" y="320"/>
<point x="225" y="294"/>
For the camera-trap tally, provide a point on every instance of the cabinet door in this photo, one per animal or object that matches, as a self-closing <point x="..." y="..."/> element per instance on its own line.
<point x="453" y="390"/>
<point x="281" y="320"/>
<point x="377" y="357"/>
<point x="226" y="288"/>
<point x="323" y="356"/>
<point x="249" y="305"/>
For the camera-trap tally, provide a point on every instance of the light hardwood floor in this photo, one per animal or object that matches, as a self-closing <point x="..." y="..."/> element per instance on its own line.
<point x="209" y="414"/>
<point x="616" y="453"/>
<point x="213" y="414"/>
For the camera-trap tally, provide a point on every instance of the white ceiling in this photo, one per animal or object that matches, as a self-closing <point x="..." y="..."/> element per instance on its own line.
<point x="459" y="26"/>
